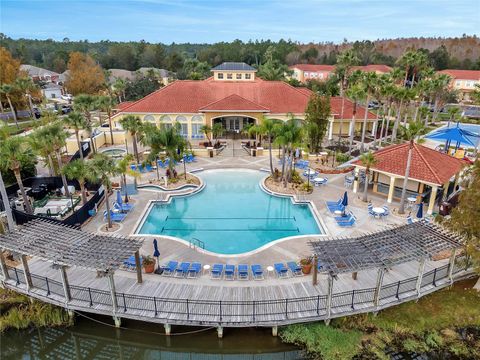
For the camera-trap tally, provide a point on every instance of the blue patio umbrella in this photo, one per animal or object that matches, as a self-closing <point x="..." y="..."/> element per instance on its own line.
<point x="345" y="199"/>
<point x="156" y="253"/>
<point x="119" y="198"/>
<point x="456" y="135"/>
<point x="420" y="211"/>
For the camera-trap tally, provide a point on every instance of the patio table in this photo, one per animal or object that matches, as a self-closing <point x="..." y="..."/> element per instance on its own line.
<point x="319" y="180"/>
<point x="378" y="211"/>
<point x="206" y="268"/>
<point x="270" y="271"/>
<point x="309" y="172"/>
<point x="411" y="201"/>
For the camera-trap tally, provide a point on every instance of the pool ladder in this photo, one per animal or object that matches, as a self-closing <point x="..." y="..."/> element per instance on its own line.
<point x="194" y="242"/>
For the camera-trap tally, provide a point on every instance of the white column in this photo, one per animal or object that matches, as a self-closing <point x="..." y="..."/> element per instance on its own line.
<point x="421" y="269"/>
<point x="374" y="127"/>
<point x="431" y="203"/>
<point x="391" y="190"/>
<point x="355" y="181"/>
<point x="330" y="130"/>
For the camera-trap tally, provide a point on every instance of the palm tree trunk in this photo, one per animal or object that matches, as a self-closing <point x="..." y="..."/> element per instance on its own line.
<point x="283" y="161"/>
<point x="79" y="144"/>
<point x="6" y="205"/>
<point x="397" y="121"/>
<point x="376" y="130"/>
<point x="64" y="179"/>
<point x="352" y="131"/>
<point x="84" y="192"/>
<point x="364" y="127"/>
<point x="110" y="125"/>
<point x="270" y="152"/>
<point x="417" y="108"/>
<point x="1" y="105"/>
<point x="51" y="168"/>
<point x="18" y="177"/>
<point x="30" y="105"/>
<point x="365" y="189"/>
<point x="341" y="120"/>
<point x="107" y="205"/>
<point x="135" y="148"/>
<point x="124" y="179"/>
<point x="401" y="210"/>
<point x="13" y="111"/>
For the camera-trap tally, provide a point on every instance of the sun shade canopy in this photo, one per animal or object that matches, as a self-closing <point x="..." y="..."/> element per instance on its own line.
<point x="64" y="245"/>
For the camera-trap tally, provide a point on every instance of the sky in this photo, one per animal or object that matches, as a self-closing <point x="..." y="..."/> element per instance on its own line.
<point x="209" y="21"/>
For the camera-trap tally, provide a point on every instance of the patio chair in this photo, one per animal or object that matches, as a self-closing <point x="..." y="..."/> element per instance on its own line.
<point x="333" y="208"/>
<point x="334" y="203"/>
<point x="346" y="218"/>
<point x="242" y="271"/>
<point x="348" y="223"/>
<point x="257" y="272"/>
<point x="217" y="271"/>
<point x="133" y="167"/>
<point x="280" y="270"/>
<point x="148" y="167"/>
<point x="170" y="268"/>
<point x="116" y="217"/>
<point x="182" y="269"/>
<point x="194" y="270"/>
<point x="161" y="164"/>
<point x="370" y="210"/>
<point x="410" y="220"/>
<point x="229" y="272"/>
<point x="295" y="269"/>
<point x="387" y="211"/>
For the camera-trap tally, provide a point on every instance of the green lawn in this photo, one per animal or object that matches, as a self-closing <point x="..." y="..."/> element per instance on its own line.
<point x="427" y="325"/>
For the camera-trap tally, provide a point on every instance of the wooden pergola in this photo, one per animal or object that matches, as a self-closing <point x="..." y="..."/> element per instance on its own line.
<point x="65" y="246"/>
<point x="382" y="250"/>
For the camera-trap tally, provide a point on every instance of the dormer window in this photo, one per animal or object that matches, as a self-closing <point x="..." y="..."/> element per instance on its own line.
<point x="220" y="75"/>
<point x="239" y="76"/>
<point x="230" y="76"/>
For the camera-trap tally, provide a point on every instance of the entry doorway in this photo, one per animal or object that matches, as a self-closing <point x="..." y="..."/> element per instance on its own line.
<point x="233" y="124"/>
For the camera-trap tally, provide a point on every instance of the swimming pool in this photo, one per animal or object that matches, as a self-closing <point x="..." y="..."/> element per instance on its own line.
<point x="469" y="127"/>
<point x="232" y="214"/>
<point x="114" y="152"/>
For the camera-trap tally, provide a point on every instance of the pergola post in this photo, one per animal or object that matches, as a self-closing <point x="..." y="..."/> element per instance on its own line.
<point x="138" y="267"/>
<point x="66" y="286"/>
<point x="26" y="271"/>
<point x="111" y="283"/>
<point x="451" y="265"/>
<point x="3" y="265"/>
<point x="330" y="129"/>
<point x="421" y="269"/>
<point x="355" y="181"/>
<point x="391" y="189"/>
<point x="315" y="269"/>
<point x="329" y="298"/>
<point x="431" y="202"/>
<point x="378" y="287"/>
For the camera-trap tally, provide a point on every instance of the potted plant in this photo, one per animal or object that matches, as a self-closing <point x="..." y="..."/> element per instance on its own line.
<point x="148" y="264"/>
<point x="306" y="263"/>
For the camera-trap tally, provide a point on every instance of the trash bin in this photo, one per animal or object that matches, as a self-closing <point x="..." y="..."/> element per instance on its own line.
<point x="254" y="152"/>
<point x="445" y="208"/>
<point x="211" y="153"/>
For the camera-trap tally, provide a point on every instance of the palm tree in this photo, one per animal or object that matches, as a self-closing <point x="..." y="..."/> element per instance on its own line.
<point x="368" y="160"/>
<point x="369" y="81"/>
<point x="453" y="113"/>
<point x="8" y="89"/>
<point x="217" y="130"/>
<point x="81" y="171"/>
<point x="440" y="92"/>
<point x="123" y="168"/>
<point x="103" y="167"/>
<point x="268" y="128"/>
<point x="424" y="112"/>
<point x="106" y="104"/>
<point x="119" y="87"/>
<point x="355" y="93"/>
<point x="206" y="129"/>
<point x="39" y="144"/>
<point x="289" y="134"/>
<point x="133" y="124"/>
<point x="76" y="121"/>
<point x="26" y="86"/>
<point x="56" y="136"/>
<point x="13" y="152"/>
<point x="6" y="204"/>
<point x="85" y="104"/>
<point x="409" y="133"/>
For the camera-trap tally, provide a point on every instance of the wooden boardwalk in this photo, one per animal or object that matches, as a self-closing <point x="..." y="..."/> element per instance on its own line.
<point x="206" y="302"/>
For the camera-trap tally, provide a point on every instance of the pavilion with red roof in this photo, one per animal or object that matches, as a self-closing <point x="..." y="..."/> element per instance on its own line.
<point x="233" y="97"/>
<point x="430" y="171"/>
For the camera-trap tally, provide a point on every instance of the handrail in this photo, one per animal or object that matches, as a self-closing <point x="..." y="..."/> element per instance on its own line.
<point x="196" y="242"/>
<point x="239" y="311"/>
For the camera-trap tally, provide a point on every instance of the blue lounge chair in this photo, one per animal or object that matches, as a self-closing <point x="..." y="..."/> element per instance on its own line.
<point x="257" y="272"/>
<point x="410" y="220"/>
<point x="346" y="218"/>
<point x="280" y="270"/>
<point x="242" y="270"/>
<point x="160" y="163"/>
<point x="148" y="167"/>
<point x="122" y="207"/>
<point x="332" y="208"/>
<point x="129" y="264"/>
<point x="350" y="222"/>
<point x="133" y="167"/>
<point x="217" y="271"/>
<point x="194" y="270"/>
<point x="182" y="269"/>
<point x="294" y="268"/>
<point x="229" y="272"/>
<point x="334" y="203"/>
<point x="170" y="268"/>
<point x="117" y="217"/>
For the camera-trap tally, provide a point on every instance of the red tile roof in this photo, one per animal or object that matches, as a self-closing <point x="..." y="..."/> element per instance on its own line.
<point x="373" y="67"/>
<point x="123" y="105"/>
<point x="427" y="165"/>
<point x="462" y="74"/>
<point x="234" y="102"/>
<point x="313" y="67"/>
<point x="275" y="97"/>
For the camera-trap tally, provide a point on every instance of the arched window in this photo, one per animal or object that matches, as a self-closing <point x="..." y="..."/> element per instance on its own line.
<point x="197" y="118"/>
<point x="181" y="119"/>
<point x="165" y="119"/>
<point x="149" y="118"/>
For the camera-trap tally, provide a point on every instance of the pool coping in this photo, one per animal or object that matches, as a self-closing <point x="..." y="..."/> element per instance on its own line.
<point x="168" y="199"/>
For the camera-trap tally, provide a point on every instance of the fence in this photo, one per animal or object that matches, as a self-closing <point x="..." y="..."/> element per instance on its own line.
<point x="248" y="311"/>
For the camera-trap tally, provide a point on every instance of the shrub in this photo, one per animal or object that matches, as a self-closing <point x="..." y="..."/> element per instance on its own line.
<point x="296" y="178"/>
<point x="341" y="157"/>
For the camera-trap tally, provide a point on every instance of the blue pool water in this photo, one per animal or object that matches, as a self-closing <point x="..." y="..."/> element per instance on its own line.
<point x="469" y="127"/>
<point x="231" y="215"/>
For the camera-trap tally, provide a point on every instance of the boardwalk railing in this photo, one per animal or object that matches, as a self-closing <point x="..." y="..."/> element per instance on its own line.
<point x="236" y="313"/>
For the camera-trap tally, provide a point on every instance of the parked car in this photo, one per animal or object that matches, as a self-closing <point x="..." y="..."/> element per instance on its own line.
<point x="67" y="97"/>
<point x="373" y="105"/>
<point x="37" y="113"/>
<point x="66" y="109"/>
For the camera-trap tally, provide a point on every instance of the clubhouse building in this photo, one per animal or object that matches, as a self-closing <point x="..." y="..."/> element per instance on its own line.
<point x="233" y="97"/>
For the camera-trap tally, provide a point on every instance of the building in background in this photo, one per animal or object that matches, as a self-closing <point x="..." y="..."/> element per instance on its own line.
<point x="305" y="72"/>
<point x="463" y="81"/>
